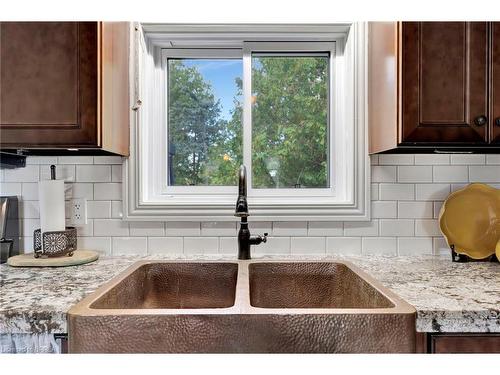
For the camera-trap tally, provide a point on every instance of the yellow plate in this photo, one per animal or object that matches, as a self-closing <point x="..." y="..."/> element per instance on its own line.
<point x="470" y="220"/>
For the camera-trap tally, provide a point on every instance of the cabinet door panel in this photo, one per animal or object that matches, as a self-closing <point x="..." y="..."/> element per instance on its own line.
<point x="495" y="83"/>
<point x="48" y="84"/>
<point x="466" y="343"/>
<point x="445" y="84"/>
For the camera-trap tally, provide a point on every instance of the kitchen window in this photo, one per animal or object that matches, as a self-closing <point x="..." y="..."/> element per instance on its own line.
<point x="282" y="100"/>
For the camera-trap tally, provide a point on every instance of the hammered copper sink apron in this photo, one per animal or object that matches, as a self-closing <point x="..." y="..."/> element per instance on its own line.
<point x="242" y="307"/>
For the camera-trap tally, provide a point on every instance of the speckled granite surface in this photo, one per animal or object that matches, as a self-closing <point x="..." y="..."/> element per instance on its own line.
<point x="449" y="297"/>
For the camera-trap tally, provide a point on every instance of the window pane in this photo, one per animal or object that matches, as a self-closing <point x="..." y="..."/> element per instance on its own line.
<point x="204" y="121"/>
<point x="290" y="121"/>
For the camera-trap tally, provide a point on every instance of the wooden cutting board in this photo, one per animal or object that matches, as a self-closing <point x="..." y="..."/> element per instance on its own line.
<point x="28" y="260"/>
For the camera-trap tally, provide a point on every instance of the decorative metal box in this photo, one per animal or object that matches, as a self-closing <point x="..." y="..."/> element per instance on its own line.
<point x="55" y="244"/>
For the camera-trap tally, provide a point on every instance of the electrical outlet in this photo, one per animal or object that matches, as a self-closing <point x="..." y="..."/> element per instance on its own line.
<point x="78" y="210"/>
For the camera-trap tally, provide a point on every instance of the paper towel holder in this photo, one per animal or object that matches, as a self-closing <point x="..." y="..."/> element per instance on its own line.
<point x="54" y="244"/>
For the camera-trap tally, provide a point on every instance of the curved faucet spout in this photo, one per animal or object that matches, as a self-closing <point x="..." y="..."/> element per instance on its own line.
<point x="242" y="186"/>
<point x="241" y="202"/>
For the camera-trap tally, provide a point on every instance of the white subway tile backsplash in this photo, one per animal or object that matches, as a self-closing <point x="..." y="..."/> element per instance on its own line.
<point x="415" y="173"/>
<point x="290" y="228"/>
<point x="379" y="245"/>
<point x="147" y="228"/>
<point x="108" y="160"/>
<point x="79" y="190"/>
<point x="307" y="245"/>
<point x="201" y="245"/>
<point x="325" y="228"/>
<point x="397" y="227"/>
<point x="41" y="160"/>
<point x="116" y="173"/>
<point x="493" y="159"/>
<point x="274" y="245"/>
<point x="93" y="173"/>
<point x="440" y="247"/>
<point x="361" y="228"/>
<point x="26" y="245"/>
<point x="86" y="230"/>
<point x="108" y="191"/>
<point x="343" y="245"/>
<point x="28" y="226"/>
<point x="116" y="209"/>
<point x="450" y="173"/>
<point x="30" y="191"/>
<point x="490" y="173"/>
<point x="465" y="159"/>
<point x="385" y="173"/>
<point x="414" y="245"/>
<point x="437" y="208"/>
<point x="98" y="209"/>
<point x="29" y="209"/>
<point x="111" y="227"/>
<point x="396" y="159"/>
<point x="374" y="192"/>
<point x="258" y="227"/>
<point x="165" y="245"/>
<point x="100" y="244"/>
<point x="228" y="245"/>
<point x="129" y="245"/>
<point x="432" y="159"/>
<point x="30" y="173"/>
<point x="427" y="227"/>
<point x="455" y="187"/>
<point x="182" y="228"/>
<point x="218" y="228"/>
<point x="384" y="209"/>
<point x="63" y="172"/>
<point x="415" y="210"/>
<point x="404" y="213"/>
<point x="430" y="192"/>
<point x="10" y="188"/>
<point x="75" y="160"/>
<point x="391" y="192"/>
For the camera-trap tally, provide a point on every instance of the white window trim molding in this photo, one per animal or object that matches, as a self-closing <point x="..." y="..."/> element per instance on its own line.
<point x="139" y="172"/>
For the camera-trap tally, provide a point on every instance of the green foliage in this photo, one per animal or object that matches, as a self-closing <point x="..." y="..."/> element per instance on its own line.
<point x="289" y="134"/>
<point x="289" y="121"/>
<point x="196" y="131"/>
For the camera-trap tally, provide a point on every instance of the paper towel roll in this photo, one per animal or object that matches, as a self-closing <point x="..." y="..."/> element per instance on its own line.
<point x="51" y="199"/>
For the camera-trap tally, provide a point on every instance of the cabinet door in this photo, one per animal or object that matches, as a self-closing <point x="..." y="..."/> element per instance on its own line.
<point x="49" y="84"/>
<point x="495" y="83"/>
<point x="465" y="343"/>
<point x="444" y="83"/>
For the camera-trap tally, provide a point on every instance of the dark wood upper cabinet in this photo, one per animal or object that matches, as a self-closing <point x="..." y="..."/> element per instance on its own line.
<point x="445" y="82"/>
<point x="495" y="83"/>
<point x="56" y="85"/>
<point x="49" y="84"/>
<point x="443" y="89"/>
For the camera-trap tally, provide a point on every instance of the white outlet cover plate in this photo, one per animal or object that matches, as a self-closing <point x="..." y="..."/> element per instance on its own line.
<point x="78" y="209"/>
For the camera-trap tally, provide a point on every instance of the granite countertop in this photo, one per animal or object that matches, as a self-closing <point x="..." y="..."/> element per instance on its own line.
<point x="448" y="297"/>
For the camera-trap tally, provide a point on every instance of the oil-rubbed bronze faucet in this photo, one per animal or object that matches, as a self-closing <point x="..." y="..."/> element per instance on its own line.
<point x="244" y="237"/>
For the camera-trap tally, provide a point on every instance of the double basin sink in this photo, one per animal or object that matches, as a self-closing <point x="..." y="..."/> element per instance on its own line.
<point x="242" y="307"/>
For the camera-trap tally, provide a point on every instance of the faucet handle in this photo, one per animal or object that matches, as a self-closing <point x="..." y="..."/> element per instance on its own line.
<point x="264" y="238"/>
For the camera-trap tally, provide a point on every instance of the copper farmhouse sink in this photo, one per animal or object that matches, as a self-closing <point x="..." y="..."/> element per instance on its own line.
<point x="173" y="286"/>
<point x="242" y="307"/>
<point x="311" y="285"/>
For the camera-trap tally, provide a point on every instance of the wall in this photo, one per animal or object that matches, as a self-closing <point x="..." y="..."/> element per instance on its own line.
<point x="407" y="193"/>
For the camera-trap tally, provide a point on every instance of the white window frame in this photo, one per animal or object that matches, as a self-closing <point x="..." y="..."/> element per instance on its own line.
<point x="146" y="196"/>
